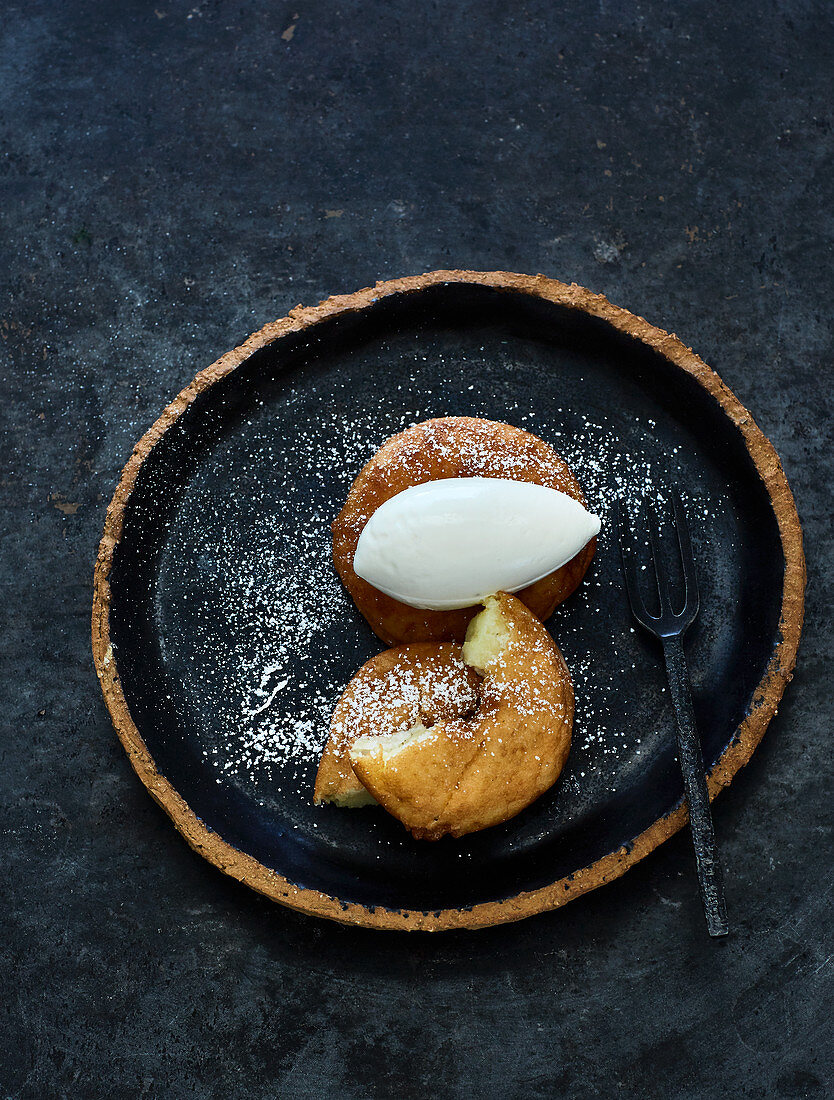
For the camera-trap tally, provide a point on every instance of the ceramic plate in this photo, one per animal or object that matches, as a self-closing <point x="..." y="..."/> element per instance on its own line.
<point x="223" y="638"/>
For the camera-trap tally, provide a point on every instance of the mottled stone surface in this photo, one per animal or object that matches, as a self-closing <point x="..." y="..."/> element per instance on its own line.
<point x="173" y="176"/>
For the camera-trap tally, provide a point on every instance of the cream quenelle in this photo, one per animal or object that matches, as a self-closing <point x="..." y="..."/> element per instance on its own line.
<point x="449" y="543"/>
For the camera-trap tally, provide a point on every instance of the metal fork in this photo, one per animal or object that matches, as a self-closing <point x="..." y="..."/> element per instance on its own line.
<point x="669" y="627"/>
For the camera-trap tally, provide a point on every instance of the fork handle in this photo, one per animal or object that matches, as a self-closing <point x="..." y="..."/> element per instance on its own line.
<point x="710" y="876"/>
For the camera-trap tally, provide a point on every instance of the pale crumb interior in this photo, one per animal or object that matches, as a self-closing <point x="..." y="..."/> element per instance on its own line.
<point x="486" y="638"/>
<point x="390" y="744"/>
<point x="352" y="800"/>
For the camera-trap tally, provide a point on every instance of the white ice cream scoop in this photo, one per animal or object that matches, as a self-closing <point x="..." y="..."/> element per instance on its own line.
<point x="449" y="543"/>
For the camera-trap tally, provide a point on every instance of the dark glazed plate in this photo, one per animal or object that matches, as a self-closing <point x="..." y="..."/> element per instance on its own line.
<point x="222" y="637"/>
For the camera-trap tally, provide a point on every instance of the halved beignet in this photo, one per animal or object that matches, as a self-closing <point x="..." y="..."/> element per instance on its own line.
<point x="459" y="772"/>
<point x="449" y="447"/>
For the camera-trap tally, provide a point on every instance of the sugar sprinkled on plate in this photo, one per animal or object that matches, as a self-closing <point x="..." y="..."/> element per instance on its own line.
<point x="287" y="613"/>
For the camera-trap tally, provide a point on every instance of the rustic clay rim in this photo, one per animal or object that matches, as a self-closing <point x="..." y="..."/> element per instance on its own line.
<point x="766" y="698"/>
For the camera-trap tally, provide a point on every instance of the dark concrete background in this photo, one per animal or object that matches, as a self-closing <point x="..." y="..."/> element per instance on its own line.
<point x="174" y="176"/>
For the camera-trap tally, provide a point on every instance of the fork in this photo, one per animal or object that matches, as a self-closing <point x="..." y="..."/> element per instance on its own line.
<point x="669" y="627"/>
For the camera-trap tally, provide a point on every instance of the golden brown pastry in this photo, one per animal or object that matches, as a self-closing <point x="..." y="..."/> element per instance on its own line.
<point x="478" y="751"/>
<point x="394" y="691"/>
<point x="453" y="446"/>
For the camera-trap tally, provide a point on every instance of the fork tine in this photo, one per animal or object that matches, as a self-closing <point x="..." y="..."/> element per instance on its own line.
<point x="659" y="571"/>
<point x="690" y="578"/>
<point x="638" y="608"/>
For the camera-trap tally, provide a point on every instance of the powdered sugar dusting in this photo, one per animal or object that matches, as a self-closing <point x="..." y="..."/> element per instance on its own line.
<point x="287" y="619"/>
<point x="412" y="690"/>
<point x="271" y="583"/>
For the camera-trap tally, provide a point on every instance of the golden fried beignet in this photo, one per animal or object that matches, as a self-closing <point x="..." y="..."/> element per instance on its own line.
<point x="497" y="743"/>
<point x="449" y="447"/>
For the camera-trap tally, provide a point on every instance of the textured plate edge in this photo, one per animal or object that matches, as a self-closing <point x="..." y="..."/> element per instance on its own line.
<point x="243" y="867"/>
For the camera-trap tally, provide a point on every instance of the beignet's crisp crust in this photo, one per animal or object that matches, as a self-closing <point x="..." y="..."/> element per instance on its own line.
<point x="452" y="446"/>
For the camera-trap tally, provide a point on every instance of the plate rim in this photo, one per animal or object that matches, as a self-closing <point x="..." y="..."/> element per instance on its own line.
<point x="765" y="700"/>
